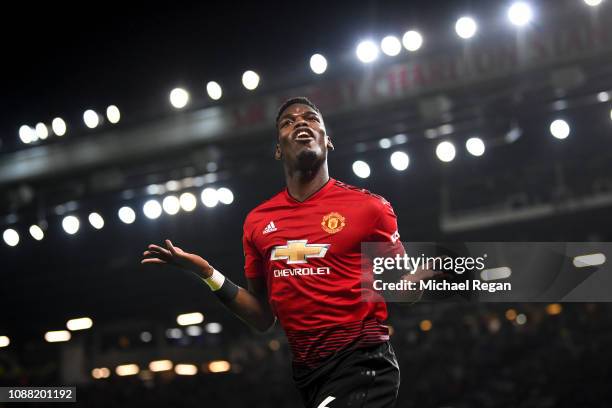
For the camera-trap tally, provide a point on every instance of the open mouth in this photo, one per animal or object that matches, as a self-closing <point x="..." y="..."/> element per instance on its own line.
<point x="303" y="135"/>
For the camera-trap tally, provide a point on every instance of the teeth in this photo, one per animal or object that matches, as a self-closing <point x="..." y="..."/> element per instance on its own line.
<point x="303" y="134"/>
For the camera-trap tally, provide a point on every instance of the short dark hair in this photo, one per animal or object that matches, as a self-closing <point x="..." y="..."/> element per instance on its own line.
<point x="293" y="101"/>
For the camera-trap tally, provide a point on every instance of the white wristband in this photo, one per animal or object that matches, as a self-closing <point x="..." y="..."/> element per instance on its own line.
<point x="215" y="281"/>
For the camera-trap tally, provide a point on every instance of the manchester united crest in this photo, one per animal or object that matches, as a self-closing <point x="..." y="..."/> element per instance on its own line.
<point x="333" y="222"/>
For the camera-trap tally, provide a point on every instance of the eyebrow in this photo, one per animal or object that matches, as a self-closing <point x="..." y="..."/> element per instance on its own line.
<point x="286" y="115"/>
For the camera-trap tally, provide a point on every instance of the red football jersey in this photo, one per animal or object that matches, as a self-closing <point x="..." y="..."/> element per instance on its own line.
<point x="309" y="253"/>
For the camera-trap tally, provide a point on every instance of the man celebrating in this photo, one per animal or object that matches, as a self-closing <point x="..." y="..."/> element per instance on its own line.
<point x="303" y="267"/>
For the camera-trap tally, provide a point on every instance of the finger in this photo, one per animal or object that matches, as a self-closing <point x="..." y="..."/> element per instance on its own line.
<point x="157" y="248"/>
<point x="170" y="247"/>
<point x="154" y="261"/>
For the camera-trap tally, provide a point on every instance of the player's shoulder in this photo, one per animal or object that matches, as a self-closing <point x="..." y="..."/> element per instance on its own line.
<point x="262" y="209"/>
<point x="362" y="195"/>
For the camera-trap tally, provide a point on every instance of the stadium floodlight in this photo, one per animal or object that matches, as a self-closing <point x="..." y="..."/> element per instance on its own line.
<point x="194" y="331"/>
<point x="225" y="195"/>
<point x="102" y="372"/>
<point x="152" y="209"/>
<point x="520" y="13"/>
<point x="475" y="146"/>
<point x="445" y="151"/>
<point x="186" y="369"/>
<point x="367" y="51"/>
<point x="36" y="232"/>
<point x="27" y="134"/>
<point x="412" y="40"/>
<point x="57" y="336"/>
<point x="219" y="366"/>
<point x="391" y="45"/>
<point x="91" y="118"/>
<point x="171" y="204"/>
<point x="11" y="237"/>
<point x="41" y="131"/>
<point x="112" y="114"/>
<point x="96" y="220"/>
<point x="209" y="197"/>
<point x="466" y="27"/>
<point x="250" y="80"/>
<point x="160" y="365"/>
<point x="179" y="98"/>
<point x="361" y="169"/>
<point x="213" y="328"/>
<point x="384" y="143"/>
<point x="560" y="129"/>
<point x="81" y="323"/>
<point x="189" y="319"/>
<point x="603" y="96"/>
<point x="214" y="91"/>
<point x="71" y="224"/>
<point x="593" y="3"/>
<point x="127" y="215"/>
<point x="318" y="64"/>
<point x="127" y="369"/>
<point x="188" y="202"/>
<point x="4" y="341"/>
<point x="59" y="126"/>
<point x="399" y="160"/>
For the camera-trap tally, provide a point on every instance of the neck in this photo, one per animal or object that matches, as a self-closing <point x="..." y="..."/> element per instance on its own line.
<point x="302" y="184"/>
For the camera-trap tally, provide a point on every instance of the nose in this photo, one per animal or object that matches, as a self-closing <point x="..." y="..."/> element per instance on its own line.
<point x="300" y="122"/>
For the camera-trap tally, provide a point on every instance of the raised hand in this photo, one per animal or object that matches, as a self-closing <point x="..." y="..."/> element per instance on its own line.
<point x="173" y="255"/>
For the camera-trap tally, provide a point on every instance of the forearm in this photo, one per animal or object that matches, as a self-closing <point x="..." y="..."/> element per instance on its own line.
<point x="250" y="305"/>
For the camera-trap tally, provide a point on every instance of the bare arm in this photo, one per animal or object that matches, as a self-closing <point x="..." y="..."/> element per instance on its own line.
<point x="250" y="305"/>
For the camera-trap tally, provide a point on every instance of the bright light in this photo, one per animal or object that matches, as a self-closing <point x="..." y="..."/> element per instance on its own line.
<point x="171" y="205"/>
<point x="189" y="319"/>
<point x="214" y="91"/>
<point x="146" y="337"/>
<point x="152" y="209"/>
<point x="412" y="40"/>
<point x="318" y="64"/>
<point x="213" y="328"/>
<point x="250" y="80"/>
<point x="71" y="224"/>
<point x="179" y="98"/>
<point x="173" y="185"/>
<point x="603" y="97"/>
<point x="41" y="131"/>
<point x="610" y="114"/>
<point x="36" y="232"/>
<point x="225" y="195"/>
<point x="4" y="341"/>
<point x="96" y="220"/>
<point x="425" y="325"/>
<point x="391" y="45"/>
<point x="81" y="323"/>
<point x="361" y="169"/>
<point x="113" y="114"/>
<point x="59" y="126"/>
<point x="554" y="309"/>
<point x="209" y="197"/>
<point x="219" y="366"/>
<point x="188" y="201"/>
<point x="521" y="319"/>
<point x="91" y="118"/>
<point x="174" y="333"/>
<point x="57" y="336"/>
<point x="11" y="237"/>
<point x="475" y="146"/>
<point x="194" y="331"/>
<point x="560" y="129"/>
<point x="367" y="51"/>
<point x="400" y="161"/>
<point x="466" y="27"/>
<point x="127" y="369"/>
<point x="445" y="151"/>
<point x="27" y="134"/>
<point x="102" y="372"/>
<point x="520" y="13"/>
<point x="593" y="3"/>
<point x="384" y="143"/>
<point x="186" y="369"/>
<point x="160" y="365"/>
<point x="127" y="215"/>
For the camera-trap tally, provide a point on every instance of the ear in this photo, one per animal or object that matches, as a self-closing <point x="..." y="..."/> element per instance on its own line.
<point x="329" y="144"/>
<point x="277" y="153"/>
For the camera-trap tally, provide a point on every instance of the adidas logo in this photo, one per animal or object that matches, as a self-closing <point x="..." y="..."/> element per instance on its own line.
<point x="270" y="228"/>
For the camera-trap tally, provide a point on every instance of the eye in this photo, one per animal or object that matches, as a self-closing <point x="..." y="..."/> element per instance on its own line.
<point x="284" y="123"/>
<point x="314" y="118"/>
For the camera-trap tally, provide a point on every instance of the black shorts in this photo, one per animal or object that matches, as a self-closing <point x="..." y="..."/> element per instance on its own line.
<point x="359" y="378"/>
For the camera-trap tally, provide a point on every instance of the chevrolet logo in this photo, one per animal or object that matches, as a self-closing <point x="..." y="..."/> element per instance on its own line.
<point x="298" y="251"/>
